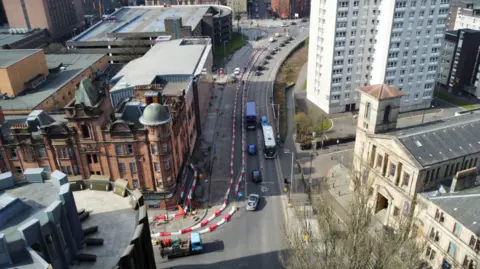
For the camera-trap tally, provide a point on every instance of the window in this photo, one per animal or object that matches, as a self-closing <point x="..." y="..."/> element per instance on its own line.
<point x="63" y="153"/>
<point x="154" y="149"/>
<point x="165" y="148"/>
<point x="95" y="158"/>
<point x="474" y="243"/>
<point x="89" y="158"/>
<point x="457" y="228"/>
<point x="439" y="216"/>
<point x="156" y="166"/>
<point x="393" y="168"/>
<point x="122" y="168"/>
<point x="167" y="164"/>
<point x="430" y="253"/>
<point x="13" y="153"/>
<point x="379" y="160"/>
<point x="406" y="179"/>
<point x="135" y="183"/>
<point x="18" y="170"/>
<point x="67" y="170"/>
<point x="451" y="249"/>
<point x="85" y="131"/>
<point x="386" y="114"/>
<point x="133" y="167"/>
<point x="118" y="149"/>
<point x="368" y="109"/>
<point x="129" y="149"/>
<point x="41" y="153"/>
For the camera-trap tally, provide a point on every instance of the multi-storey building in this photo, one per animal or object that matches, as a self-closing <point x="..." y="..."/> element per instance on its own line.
<point x="141" y="129"/>
<point x="403" y="166"/>
<point x="61" y="18"/>
<point x="459" y="62"/>
<point x="129" y="32"/>
<point x="371" y="42"/>
<point x="467" y="17"/>
<point x="31" y="80"/>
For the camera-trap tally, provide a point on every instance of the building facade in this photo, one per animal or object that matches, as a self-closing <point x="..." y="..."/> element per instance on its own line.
<point x="405" y="166"/>
<point x="467" y="17"/>
<point x="61" y="18"/>
<point x="458" y="67"/>
<point x="139" y="128"/>
<point x="450" y="216"/>
<point x="372" y="42"/>
<point x="123" y="42"/>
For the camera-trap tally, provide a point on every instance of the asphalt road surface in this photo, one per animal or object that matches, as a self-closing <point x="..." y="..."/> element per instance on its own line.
<point x="250" y="239"/>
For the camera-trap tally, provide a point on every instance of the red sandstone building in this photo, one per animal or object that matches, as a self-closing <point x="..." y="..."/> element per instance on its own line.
<point x="141" y="127"/>
<point x="286" y="9"/>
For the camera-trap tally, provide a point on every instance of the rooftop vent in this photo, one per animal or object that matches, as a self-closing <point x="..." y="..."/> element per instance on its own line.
<point x="418" y="143"/>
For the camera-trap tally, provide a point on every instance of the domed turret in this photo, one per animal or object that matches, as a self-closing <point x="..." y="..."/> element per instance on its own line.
<point x="155" y="114"/>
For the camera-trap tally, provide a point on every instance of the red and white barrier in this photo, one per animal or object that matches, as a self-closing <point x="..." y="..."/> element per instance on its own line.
<point x="192" y="188"/>
<point x="204" y="223"/>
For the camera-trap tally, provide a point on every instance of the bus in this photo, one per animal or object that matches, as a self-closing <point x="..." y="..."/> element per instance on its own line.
<point x="250" y="116"/>
<point x="269" y="145"/>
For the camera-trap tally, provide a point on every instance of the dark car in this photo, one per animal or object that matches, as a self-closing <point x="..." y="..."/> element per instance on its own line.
<point x="260" y="67"/>
<point x="256" y="176"/>
<point x="272" y="52"/>
<point x="293" y="23"/>
<point x="265" y="62"/>
<point x="252" y="150"/>
<point x="282" y="44"/>
<point x="268" y="57"/>
<point x="304" y="20"/>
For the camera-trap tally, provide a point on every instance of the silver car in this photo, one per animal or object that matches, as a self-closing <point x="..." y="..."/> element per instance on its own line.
<point x="252" y="202"/>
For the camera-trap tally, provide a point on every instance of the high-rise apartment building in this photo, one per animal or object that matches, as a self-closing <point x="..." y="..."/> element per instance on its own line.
<point x="61" y="18"/>
<point x="359" y="42"/>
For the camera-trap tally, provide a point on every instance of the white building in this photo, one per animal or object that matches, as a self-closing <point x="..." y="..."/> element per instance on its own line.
<point x="467" y="18"/>
<point x="372" y="42"/>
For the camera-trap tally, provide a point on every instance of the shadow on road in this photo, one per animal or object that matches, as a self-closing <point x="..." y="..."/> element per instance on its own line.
<point x="261" y="261"/>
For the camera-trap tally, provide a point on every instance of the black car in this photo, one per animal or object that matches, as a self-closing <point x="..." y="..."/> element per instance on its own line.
<point x="268" y="57"/>
<point x="256" y="176"/>
<point x="304" y="20"/>
<point x="272" y="52"/>
<point x="293" y="23"/>
<point x="265" y="62"/>
<point x="260" y="67"/>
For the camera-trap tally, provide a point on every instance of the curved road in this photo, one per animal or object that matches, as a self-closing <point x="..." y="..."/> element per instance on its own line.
<point x="250" y="239"/>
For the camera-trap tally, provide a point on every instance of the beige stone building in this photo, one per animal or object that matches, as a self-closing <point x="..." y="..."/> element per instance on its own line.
<point x="402" y="163"/>
<point x="451" y="218"/>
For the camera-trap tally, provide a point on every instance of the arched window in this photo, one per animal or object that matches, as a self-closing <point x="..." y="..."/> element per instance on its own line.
<point x="85" y="131"/>
<point x="368" y="110"/>
<point x="386" y="114"/>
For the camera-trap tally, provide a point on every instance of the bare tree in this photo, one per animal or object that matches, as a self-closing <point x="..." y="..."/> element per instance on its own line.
<point x="355" y="243"/>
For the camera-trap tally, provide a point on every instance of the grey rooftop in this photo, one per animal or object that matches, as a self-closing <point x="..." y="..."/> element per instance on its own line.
<point x="10" y="57"/>
<point x="144" y="19"/>
<point x="74" y="65"/>
<point x="441" y="140"/>
<point x="174" y="58"/>
<point x="461" y="205"/>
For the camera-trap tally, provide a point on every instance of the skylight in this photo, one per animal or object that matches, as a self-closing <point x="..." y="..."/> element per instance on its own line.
<point x="418" y="143"/>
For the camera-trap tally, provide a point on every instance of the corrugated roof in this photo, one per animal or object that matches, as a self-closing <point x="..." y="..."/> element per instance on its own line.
<point x="441" y="140"/>
<point x="461" y="205"/>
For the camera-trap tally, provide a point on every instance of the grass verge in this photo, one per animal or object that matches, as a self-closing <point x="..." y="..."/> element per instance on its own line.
<point x="456" y="100"/>
<point x="237" y="41"/>
<point x="286" y="76"/>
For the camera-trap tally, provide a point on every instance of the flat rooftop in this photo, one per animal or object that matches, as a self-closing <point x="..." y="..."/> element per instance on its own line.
<point x="9" y="57"/>
<point x="36" y="197"/>
<point x="178" y="57"/>
<point x="144" y="19"/>
<point x="7" y="39"/>
<point x="74" y="65"/>
<point x="116" y="222"/>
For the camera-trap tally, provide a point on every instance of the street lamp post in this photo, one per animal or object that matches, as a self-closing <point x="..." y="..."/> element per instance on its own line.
<point x="286" y="151"/>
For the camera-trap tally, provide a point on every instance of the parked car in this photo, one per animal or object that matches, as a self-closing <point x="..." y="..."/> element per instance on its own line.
<point x="252" y="202"/>
<point x="236" y="71"/>
<point x="256" y="176"/>
<point x="304" y="20"/>
<point x="293" y="23"/>
<point x="258" y="73"/>
<point x="252" y="150"/>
